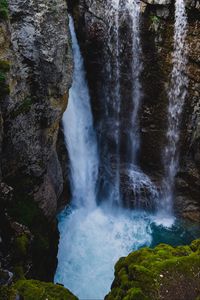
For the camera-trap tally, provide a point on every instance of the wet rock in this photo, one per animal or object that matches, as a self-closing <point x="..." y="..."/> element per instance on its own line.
<point x="35" y="44"/>
<point x="40" y="77"/>
<point x="158" y="2"/>
<point x="5" y="277"/>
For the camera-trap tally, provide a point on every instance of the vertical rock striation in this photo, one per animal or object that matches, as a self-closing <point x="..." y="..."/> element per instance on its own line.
<point x="36" y="43"/>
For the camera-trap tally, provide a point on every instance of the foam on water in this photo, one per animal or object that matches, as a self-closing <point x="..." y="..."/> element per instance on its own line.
<point x="92" y="242"/>
<point x="164" y="220"/>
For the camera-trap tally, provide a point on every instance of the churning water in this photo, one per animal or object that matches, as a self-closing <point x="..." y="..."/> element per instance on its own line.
<point x="91" y="242"/>
<point x="177" y="94"/>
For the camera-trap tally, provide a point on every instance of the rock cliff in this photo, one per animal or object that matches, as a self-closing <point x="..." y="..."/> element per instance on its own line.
<point x="36" y="73"/>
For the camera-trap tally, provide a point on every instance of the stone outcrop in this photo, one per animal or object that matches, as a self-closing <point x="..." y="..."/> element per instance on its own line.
<point x="35" y="76"/>
<point x="39" y="79"/>
<point x="161" y="273"/>
<point x="157" y="23"/>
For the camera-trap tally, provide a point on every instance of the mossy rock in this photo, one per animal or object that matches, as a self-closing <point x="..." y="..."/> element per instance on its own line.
<point x="165" y="272"/>
<point x="23" y="108"/>
<point x="21" y="245"/>
<point x="4" y="68"/>
<point x="35" y="290"/>
<point x="7" y="293"/>
<point x="3" y="10"/>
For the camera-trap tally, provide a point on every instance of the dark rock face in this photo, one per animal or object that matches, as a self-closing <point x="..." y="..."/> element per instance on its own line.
<point x="35" y="42"/>
<point x="40" y="76"/>
<point x="157" y="27"/>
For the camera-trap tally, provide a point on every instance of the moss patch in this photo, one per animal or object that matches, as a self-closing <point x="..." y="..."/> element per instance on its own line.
<point x="35" y="290"/>
<point x="7" y="293"/>
<point x="4" y="88"/>
<point x="3" y="10"/>
<point x="43" y="246"/>
<point x="32" y="290"/>
<point x="165" y="272"/>
<point x="23" y="108"/>
<point x="21" y="245"/>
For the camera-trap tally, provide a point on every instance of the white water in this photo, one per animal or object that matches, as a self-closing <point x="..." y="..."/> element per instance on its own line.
<point x="90" y="245"/>
<point x="177" y="94"/>
<point x="145" y="193"/>
<point x="79" y="135"/>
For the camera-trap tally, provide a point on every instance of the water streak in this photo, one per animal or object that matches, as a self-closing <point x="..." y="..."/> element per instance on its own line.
<point x="177" y="95"/>
<point x="115" y="99"/>
<point x="133" y="7"/>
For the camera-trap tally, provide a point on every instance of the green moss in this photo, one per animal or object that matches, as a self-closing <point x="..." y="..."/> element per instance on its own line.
<point x="135" y="294"/>
<point x="3" y="10"/>
<point x="4" y="88"/>
<point x="4" y="65"/>
<point x="25" y="211"/>
<point x="18" y="272"/>
<point x="32" y="290"/>
<point x="145" y="273"/>
<point x="21" y="245"/>
<point x="154" y="19"/>
<point x="195" y="245"/>
<point x="35" y="290"/>
<point x="23" y="108"/>
<point x="7" y="293"/>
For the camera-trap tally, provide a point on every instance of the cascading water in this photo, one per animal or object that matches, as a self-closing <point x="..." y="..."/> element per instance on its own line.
<point x="177" y="95"/>
<point x="145" y="192"/>
<point x="92" y="238"/>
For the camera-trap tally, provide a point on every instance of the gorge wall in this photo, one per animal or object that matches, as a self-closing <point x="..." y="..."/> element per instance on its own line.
<point x="157" y="24"/>
<point x="36" y="72"/>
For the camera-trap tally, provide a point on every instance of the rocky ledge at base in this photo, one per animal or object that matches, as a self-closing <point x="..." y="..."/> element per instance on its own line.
<point x="164" y="272"/>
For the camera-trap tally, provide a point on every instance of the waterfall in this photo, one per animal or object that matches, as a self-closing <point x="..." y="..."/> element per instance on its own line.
<point x="133" y="7"/>
<point x="93" y="237"/>
<point x="79" y="134"/>
<point x="145" y="193"/>
<point x="177" y="94"/>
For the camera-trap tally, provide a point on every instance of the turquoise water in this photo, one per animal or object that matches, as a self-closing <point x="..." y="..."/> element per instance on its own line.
<point x="180" y="233"/>
<point x="91" y="242"/>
